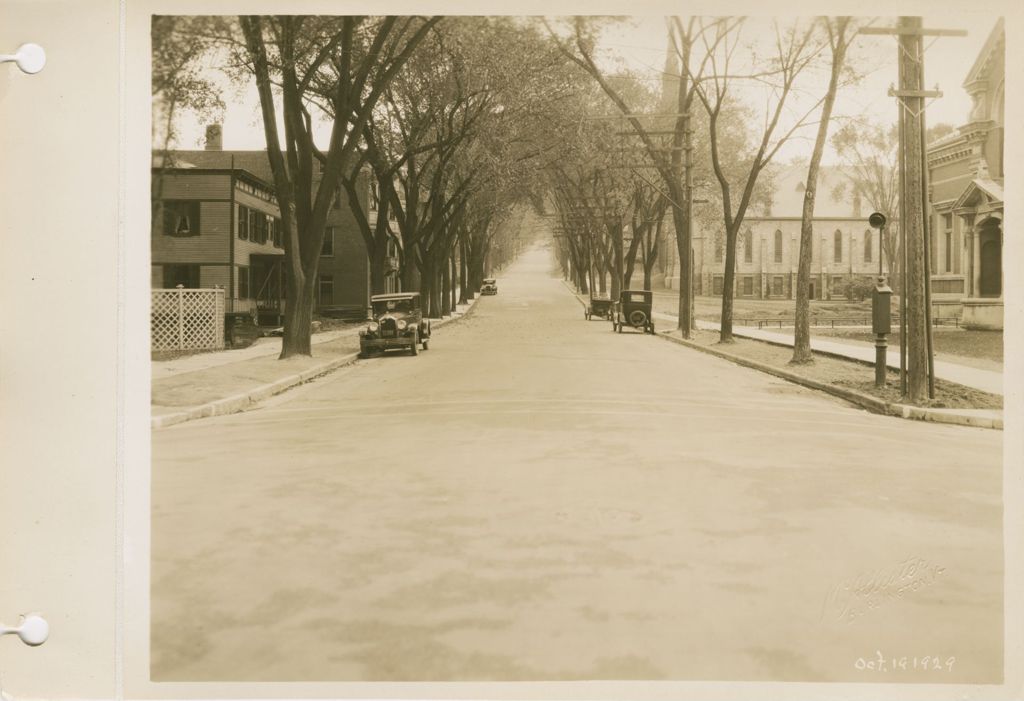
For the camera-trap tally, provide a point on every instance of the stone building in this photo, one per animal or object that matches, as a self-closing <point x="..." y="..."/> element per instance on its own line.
<point x="845" y="249"/>
<point x="965" y="175"/>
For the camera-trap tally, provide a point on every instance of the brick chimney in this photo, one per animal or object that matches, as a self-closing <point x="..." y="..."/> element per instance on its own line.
<point x="214" y="137"/>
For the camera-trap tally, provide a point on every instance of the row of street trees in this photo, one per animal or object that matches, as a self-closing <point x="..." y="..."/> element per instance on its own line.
<point x="463" y="123"/>
<point x="446" y="116"/>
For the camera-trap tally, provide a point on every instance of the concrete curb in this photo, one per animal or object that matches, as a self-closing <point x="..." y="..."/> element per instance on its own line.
<point x="240" y="402"/>
<point x="865" y="401"/>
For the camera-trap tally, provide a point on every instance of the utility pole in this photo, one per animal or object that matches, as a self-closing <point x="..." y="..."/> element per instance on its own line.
<point x="917" y="372"/>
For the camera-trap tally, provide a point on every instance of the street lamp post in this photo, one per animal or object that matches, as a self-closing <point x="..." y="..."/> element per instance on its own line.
<point x="881" y="303"/>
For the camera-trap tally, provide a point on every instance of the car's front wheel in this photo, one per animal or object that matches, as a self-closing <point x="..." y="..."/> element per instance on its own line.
<point x="415" y="347"/>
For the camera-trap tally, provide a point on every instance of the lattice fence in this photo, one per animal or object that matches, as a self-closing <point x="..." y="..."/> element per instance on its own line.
<point x="184" y="319"/>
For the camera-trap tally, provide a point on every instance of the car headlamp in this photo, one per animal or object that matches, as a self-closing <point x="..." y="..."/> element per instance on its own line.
<point x="372" y="326"/>
<point x="402" y="324"/>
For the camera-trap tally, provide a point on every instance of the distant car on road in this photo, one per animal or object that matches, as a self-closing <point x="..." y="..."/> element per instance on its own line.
<point x="490" y="287"/>
<point x="599" y="306"/>
<point x="397" y="323"/>
<point x="633" y="310"/>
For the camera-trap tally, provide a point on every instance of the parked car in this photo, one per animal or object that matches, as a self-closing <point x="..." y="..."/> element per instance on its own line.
<point x="490" y="287"/>
<point x="599" y="306"/>
<point x="397" y="323"/>
<point x="634" y="310"/>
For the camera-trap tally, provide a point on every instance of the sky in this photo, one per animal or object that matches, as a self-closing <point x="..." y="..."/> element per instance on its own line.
<point x="640" y="43"/>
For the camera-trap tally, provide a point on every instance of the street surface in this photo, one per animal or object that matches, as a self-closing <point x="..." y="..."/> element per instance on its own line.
<point x="538" y="498"/>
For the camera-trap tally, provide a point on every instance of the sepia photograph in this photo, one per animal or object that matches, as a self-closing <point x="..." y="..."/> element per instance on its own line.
<point x="521" y="348"/>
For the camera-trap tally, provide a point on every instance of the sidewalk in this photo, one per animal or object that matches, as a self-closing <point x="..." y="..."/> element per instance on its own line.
<point x="262" y="347"/>
<point x="985" y="380"/>
<point x="225" y="382"/>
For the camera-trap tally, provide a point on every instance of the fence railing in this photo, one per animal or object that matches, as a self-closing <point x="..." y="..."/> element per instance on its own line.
<point x="187" y="319"/>
<point x="834" y="322"/>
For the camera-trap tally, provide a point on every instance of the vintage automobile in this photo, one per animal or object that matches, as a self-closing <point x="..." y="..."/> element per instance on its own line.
<point x="397" y="323"/>
<point x="490" y="287"/>
<point x="599" y="306"/>
<point x="633" y="310"/>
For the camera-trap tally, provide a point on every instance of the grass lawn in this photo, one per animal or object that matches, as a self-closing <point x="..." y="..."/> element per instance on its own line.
<point x="980" y="349"/>
<point x="850" y="374"/>
<point x="710" y="308"/>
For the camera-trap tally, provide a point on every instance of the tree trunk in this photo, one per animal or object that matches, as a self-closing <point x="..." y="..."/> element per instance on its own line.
<point x="464" y="294"/>
<point x="728" y="286"/>
<point x="454" y="264"/>
<point x="378" y="279"/>
<point x="298" y="316"/>
<point x="684" y="246"/>
<point x="446" y="288"/>
<point x="410" y="274"/>
<point x="802" y="324"/>
<point x="648" y="270"/>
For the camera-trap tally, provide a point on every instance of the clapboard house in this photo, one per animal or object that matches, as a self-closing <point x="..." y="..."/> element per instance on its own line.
<point x="216" y="222"/>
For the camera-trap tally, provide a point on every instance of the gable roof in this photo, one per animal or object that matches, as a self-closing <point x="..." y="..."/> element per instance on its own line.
<point x="789" y="185"/>
<point x="980" y="186"/>
<point x="256" y="162"/>
<point x="992" y="45"/>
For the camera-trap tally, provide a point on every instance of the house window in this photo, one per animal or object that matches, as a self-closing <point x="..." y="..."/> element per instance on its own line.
<point x="748" y="286"/>
<point x="328" y="246"/>
<point x="948" y="222"/>
<point x="718" y="251"/>
<point x="838" y="246"/>
<point x="264" y="227"/>
<point x="325" y="289"/>
<point x="778" y="286"/>
<point x="253" y="224"/>
<point x="778" y="245"/>
<point x="716" y="285"/>
<point x="867" y="245"/>
<point x="243" y="282"/>
<point x="276" y="229"/>
<point x="243" y="222"/>
<point x="181" y="217"/>
<point x="184" y="275"/>
<point x="748" y="247"/>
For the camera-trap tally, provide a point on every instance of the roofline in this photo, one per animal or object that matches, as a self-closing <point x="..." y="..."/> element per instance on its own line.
<point x="196" y="170"/>
<point x="983" y="55"/>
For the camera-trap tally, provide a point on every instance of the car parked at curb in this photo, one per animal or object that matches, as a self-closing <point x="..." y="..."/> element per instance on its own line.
<point x="490" y="287"/>
<point x="397" y="324"/>
<point x="634" y="310"/>
<point x="599" y="307"/>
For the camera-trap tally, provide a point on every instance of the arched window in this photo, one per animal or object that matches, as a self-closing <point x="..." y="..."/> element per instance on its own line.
<point x="718" y="250"/>
<point x="748" y="247"/>
<point x="838" y="245"/>
<point x="867" y="245"/>
<point x="778" y="245"/>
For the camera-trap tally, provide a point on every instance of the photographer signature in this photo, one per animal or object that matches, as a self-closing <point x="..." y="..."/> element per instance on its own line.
<point x="852" y="598"/>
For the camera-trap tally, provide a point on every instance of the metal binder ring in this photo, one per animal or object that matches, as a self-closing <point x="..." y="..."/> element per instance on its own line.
<point x="30" y="58"/>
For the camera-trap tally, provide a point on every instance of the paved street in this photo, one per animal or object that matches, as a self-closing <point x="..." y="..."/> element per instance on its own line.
<point x="538" y="498"/>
